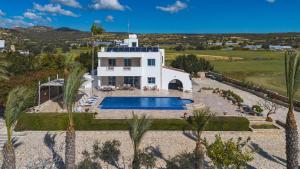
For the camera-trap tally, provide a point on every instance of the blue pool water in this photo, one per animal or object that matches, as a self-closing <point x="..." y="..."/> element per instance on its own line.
<point x="147" y="103"/>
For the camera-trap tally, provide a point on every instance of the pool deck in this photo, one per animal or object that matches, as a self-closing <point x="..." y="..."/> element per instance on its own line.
<point x="202" y="99"/>
<point x="123" y="114"/>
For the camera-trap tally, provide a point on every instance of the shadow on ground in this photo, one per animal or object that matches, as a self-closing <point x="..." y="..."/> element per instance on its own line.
<point x="259" y="150"/>
<point x="49" y="141"/>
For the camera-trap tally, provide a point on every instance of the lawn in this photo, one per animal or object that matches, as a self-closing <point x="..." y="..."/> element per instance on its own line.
<point x="86" y="122"/>
<point x="264" y="68"/>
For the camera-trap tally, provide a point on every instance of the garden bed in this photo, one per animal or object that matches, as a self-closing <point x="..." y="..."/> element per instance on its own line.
<point x="86" y="122"/>
<point x="264" y="126"/>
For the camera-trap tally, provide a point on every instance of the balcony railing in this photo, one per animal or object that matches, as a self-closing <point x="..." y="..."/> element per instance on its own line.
<point x="111" y="68"/>
<point x="120" y="71"/>
<point x="127" y="68"/>
<point x="133" y="49"/>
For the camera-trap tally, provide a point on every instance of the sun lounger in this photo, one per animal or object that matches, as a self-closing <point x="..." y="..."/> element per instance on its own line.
<point x="84" y="103"/>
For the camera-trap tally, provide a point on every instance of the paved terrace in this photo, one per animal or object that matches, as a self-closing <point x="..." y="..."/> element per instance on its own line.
<point x="214" y="102"/>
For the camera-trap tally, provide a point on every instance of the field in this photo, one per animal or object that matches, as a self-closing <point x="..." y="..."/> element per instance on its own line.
<point x="264" y="68"/>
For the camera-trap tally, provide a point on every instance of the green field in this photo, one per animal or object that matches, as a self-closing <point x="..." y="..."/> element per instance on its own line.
<point x="264" y="68"/>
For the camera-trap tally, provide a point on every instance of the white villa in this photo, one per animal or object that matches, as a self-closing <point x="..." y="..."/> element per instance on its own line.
<point x="139" y="67"/>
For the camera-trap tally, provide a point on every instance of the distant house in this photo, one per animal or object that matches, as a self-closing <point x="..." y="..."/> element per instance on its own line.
<point x="279" y="47"/>
<point x="230" y="43"/>
<point x="215" y="43"/>
<point x="12" y="48"/>
<point x="24" y="52"/>
<point x="2" y="45"/>
<point x="98" y="43"/>
<point x="139" y="67"/>
<point x="253" y="47"/>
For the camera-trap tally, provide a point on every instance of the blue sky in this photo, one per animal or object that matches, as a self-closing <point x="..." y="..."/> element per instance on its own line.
<point x="156" y="16"/>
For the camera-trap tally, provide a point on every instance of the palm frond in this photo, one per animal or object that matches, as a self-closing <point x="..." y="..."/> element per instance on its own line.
<point x="72" y="85"/>
<point x="291" y="73"/>
<point x="16" y="103"/>
<point x="200" y="120"/>
<point x="138" y="127"/>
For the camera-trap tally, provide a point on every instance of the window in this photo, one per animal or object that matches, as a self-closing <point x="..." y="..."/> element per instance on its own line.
<point x="151" y="80"/>
<point x="111" y="80"/>
<point x="111" y="62"/>
<point x="151" y="62"/>
<point x="127" y="62"/>
<point x="134" y="44"/>
<point x="133" y="81"/>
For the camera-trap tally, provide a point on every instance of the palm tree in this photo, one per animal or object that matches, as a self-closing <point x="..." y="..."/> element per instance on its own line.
<point x="291" y="133"/>
<point x="198" y="122"/>
<point x="137" y="129"/>
<point x="72" y="84"/>
<point x="96" y="29"/>
<point x="15" y="105"/>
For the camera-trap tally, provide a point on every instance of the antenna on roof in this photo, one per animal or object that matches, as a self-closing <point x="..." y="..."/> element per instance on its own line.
<point x="128" y="28"/>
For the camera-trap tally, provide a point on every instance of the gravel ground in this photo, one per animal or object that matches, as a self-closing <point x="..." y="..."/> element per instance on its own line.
<point x="269" y="146"/>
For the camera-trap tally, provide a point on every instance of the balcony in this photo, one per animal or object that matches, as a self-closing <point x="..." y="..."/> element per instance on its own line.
<point x="119" y="71"/>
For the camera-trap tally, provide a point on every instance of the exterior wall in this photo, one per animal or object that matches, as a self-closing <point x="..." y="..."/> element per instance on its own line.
<point x="168" y="75"/>
<point x="162" y="75"/>
<point x="144" y="71"/>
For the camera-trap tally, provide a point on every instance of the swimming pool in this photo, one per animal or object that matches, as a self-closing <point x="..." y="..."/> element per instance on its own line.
<point x="146" y="103"/>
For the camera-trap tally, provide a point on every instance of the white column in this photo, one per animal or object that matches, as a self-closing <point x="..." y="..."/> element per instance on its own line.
<point x="49" y="89"/>
<point x="39" y="101"/>
<point x="99" y="81"/>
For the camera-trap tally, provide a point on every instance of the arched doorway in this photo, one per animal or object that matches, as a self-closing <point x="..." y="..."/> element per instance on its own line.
<point x="175" y="84"/>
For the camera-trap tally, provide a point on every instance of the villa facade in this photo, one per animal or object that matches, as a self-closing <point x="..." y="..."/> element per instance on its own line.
<point x="139" y="67"/>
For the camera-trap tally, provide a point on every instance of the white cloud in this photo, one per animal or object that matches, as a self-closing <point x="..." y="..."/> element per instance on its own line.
<point x="271" y="1"/>
<point x="48" y="19"/>
<point x="97" y="21"/>
<point x="7" y="23"/>
<point x="18" y="17"/>
<point x="31" y="15"/>
<point x="2" y="13"/>
<point x="35" y="17"/>
<point x="71" y="3"/>
<point x="107" y="4"/>
<point x="54" y="9"/>
<point x="176" y="7"/>
<point x="109" y="18"/>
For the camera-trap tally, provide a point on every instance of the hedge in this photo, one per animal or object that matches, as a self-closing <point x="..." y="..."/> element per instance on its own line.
<point x="86" y="122"/>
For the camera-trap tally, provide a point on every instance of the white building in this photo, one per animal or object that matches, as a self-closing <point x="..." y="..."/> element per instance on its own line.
<point x="253" y="47"/>
<point x="2" y="44"/>
<point x="279" y="47"/>
<point x="138" y="67"/>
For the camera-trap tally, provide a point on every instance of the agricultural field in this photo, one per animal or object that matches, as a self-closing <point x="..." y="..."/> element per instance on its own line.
<point x="264" y="68"/>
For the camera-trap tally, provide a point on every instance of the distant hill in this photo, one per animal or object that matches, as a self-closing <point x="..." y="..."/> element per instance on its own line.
<point x="66" y="29"/>
<point x="49" y="34"/>
<point x="46" y="34"/>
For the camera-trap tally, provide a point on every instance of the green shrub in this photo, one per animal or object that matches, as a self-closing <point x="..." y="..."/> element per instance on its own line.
<point x="228" y="154"/>
<point x="264" y="126"/>
<point x="257" y="108"/>
<point x="230" y="94"/>
<point x="86" y="122"/>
